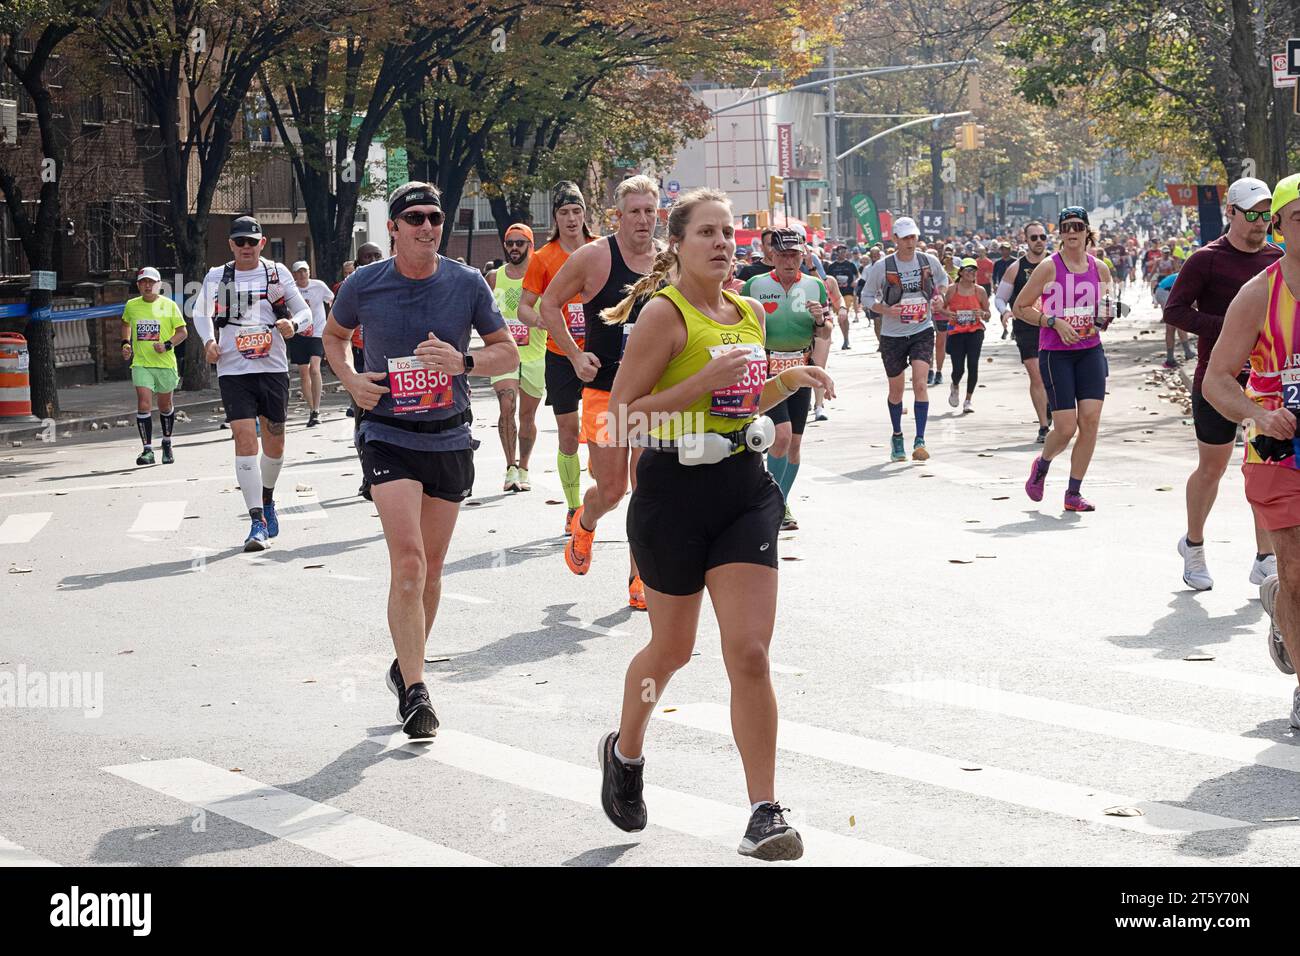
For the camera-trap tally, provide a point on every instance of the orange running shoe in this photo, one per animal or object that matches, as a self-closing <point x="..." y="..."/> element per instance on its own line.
<point x="577" y="553"/>
<point x="636" y="593"/>
<point x="568" y="522"/>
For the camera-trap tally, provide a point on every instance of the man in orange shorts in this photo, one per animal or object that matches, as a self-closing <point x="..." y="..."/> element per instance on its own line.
<point x="1262" y="325"/>
<point x="598" y="274"/>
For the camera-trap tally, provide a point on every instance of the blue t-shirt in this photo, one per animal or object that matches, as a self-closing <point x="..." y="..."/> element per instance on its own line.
<point x="398" y="314"/>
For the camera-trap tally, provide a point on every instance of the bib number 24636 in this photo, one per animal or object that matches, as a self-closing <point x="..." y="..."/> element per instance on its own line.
<point x="415" y="388"/>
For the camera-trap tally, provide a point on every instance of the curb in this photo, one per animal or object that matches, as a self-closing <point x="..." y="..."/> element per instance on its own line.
<point x="21" y="431"/>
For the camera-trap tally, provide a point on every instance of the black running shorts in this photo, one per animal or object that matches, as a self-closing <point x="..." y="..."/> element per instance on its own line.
<point x="1026" y="336"/>
<point x="264" y="394"/>
<point x="793" y="409"/>
<point x="303" y="348"/>
<point x="563" y="387"/>
<point x="685" y="520"/>
<point x="900" y="351"/>
<point x="1211" y="427"/>
<point x="448" y="475"/>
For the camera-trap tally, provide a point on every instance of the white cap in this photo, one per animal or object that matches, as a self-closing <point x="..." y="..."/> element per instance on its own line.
<point x="300" y="264"/>
<point x="905" y="227"/>
<point x="1245" y="193"/>
<point x="148" y="272"/>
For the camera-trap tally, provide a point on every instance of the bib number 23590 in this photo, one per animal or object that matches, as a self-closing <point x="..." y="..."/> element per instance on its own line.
<point x="415" y="388"/>
<point x="254" y="345"/>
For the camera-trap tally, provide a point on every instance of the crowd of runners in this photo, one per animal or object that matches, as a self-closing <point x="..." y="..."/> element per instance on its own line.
<point x="689" y="368"/>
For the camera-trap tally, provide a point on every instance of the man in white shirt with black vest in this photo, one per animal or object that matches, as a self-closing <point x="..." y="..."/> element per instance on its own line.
<point x="244" y="313"/>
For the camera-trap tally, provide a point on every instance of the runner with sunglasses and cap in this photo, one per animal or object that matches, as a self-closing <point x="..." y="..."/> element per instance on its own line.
<point x="704" y="515"/>
<point x="152" y="327"/>
<point x="418" y="309"/>
<point x="901" y="289"/>
<point x="1026" y="335"/>
<point x="967" y="307"/>
<point x="1069" y="299"/>
<point x="306" y="349"/>
<point x="563" y="387"/>
<point x="1207" y="283"/>
<point x="797" y="320"/>
<point x="1262" y="326"/>
<point x="243" y="315"/>
<point x="522" y="388"/>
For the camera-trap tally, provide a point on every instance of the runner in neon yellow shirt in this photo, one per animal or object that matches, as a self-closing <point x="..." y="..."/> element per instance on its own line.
<point x="152" y="327"/>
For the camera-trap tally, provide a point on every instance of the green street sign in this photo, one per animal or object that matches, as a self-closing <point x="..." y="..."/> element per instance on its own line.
<point x="816" y="184"/>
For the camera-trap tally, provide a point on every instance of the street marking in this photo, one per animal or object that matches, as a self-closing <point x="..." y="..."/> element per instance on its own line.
<point x="348" y="577"/>
<point x="1159" y="733"/>
<point x="595" y="628"/>
<point x="306" y="507"/>
<point x="683" y="813"/>
<point x="1206" y="674"/>
<point x="1006" y="786"/>
<point x="56" y="488"/>
<point x="465" y="598"/>
<point x="19" y="529"/>
<point x="11" y="854"/>
<point x="774" y="668"/>
<point x="319" y="827"/>
<point x="158" y="516"/>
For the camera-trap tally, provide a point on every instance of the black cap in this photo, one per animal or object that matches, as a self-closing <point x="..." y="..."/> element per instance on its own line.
<point x="784" y="240"/>
<point x="1073" y="212"/>
<point x="245" y="226"/>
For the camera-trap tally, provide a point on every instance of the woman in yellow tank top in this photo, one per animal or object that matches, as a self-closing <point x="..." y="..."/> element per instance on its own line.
<point x="694" y="370"/>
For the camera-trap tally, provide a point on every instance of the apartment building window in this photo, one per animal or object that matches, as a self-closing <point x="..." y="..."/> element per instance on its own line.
<point x="12" y="260"/>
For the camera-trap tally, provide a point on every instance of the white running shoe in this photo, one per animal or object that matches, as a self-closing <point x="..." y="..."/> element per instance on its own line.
<point x="952" y="395"/>
<point x="1260" y="570"/>
<point x="1276" y="646"/>
<point x="967" y="407"/>
<point x="1195" y="574"/>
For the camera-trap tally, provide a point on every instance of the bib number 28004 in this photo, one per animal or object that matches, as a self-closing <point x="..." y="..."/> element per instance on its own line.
<point x="415" y="388"/>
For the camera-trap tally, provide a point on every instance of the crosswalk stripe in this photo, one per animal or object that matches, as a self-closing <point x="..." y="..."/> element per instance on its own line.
<point x="1006" y="786"/>
<point x="159" y="516"/>
<point x="683" y="813"/>
<point x="318" y="827"/>
<point x="306" y="507"/>
<point x="11" y="854"/>
<point x="19" y="529"/>
<point x="1206" y="674"/>
<point x="1208" y="743"/>
<point x="465" y="598"/>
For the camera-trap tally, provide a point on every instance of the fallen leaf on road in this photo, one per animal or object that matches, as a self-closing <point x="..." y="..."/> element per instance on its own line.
<point x="120" y="653"/>
<point x="60" y="494"/>
<point x="552" y="501"/>
<point x="972" y="520"/>
<point x="926" y="474"/>
<point x="472" y="504"/>
<point x="853" y="821"/>
<point x="236" y="769"/>
<point x="205" y="705"/>
<point x="1281" y="819"/>
<point x="986" y="555"/>
<point x="1199" y="657"/>
<point x="1165" y="488"/>
<point x="310" y="567"/>
<point x="303" y="488"/>
<point x="436" y="660"/>
<point x="960" y="561"/>
<point x="309" y="680"/>
<point x="790" y="557"/>
<point x="20" y="570"/>
<point x="1123" y="812"/>
<point x="313" y="453"/>
<point x="539" y="683"/>
<point x="1002" y="498"/>
<point x="984" y="454"/>
<point x="670" y="710"/>
<point x="972" y="768"/>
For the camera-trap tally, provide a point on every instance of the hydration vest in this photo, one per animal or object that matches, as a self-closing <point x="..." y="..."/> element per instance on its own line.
<point x="893" y="292"/>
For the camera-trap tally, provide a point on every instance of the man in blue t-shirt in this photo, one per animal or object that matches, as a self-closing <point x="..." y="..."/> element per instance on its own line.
<point x="418" y="309"/>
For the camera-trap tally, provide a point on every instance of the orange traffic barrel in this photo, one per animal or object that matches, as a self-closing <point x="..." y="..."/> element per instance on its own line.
<point x="15" y="382"/>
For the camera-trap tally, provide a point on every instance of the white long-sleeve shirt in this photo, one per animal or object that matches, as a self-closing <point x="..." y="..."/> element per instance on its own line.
<point x="244" y="348"/>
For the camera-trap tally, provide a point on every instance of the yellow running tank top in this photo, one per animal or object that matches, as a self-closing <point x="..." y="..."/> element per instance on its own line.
<point x="724" y="410"/>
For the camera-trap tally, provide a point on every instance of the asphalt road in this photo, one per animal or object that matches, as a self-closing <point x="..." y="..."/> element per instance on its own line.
<point x="964" y="677"/>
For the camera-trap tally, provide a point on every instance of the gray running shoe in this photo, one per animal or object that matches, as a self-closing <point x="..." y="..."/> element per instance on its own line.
<point x="1276" y="647"/>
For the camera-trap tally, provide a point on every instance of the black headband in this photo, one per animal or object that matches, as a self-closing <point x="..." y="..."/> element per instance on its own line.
<point x="567" y="194"/>
<point x="415" y="197"/>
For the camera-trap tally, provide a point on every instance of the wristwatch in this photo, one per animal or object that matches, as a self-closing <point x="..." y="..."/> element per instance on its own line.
<point x="168" y="345"/>
<point x="469" y="362"/>
<point x="1051" y="321"/>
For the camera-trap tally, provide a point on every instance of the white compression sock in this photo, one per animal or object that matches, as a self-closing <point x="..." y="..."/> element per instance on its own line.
<point x="270" y="472"/>
<point x="249" y="484"/>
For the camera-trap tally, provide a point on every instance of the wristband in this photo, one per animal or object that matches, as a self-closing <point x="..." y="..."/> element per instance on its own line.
<point x="168" y="346"/>
<point x="785" y="390"/>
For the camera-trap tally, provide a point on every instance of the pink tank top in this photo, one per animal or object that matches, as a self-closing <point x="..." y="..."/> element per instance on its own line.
<point x="1073" y="298"/>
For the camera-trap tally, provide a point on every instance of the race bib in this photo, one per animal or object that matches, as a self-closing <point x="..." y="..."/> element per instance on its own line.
<point x="307" y="331"/>
<point x="778" y="362"/>
<point x="740" y="400"/>
<point x="577" y="322"/>
<point x="1291" y="388"/>
<point x="415" y="388"/>
<point x="148" y="330"/>
<point x="965" y="318"/>
<point x="1080" y="318"/>
<point x="915" y="309"/>
<point x="253" y="345"/>
<point x="518" y="331"/>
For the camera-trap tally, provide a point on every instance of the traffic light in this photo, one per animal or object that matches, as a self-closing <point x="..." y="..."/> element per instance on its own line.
<point x="979" y="138"/>
<point x="969" y="136"/>
<point x="959" y="137"/>
<point x="776" y="191"/>
<point x="762" y="218"/>
<point x="814" y="220"/>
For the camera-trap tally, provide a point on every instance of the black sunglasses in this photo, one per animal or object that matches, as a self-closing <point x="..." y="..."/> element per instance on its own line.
<point x="243" y="241"/>
<point x="1040" y="237"/>
<point x="511" y="243"/>
<point x="416" y="218"/>
<point x="1251" y="215"/>
<point x="1074" y="226"/>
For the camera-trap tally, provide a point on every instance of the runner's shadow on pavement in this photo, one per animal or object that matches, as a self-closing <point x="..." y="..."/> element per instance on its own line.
<point x="1250" y="794"/>
<point x="506" y="557"/>
<point x="601" y="856"/>
<point x="199" y="560"/>
<point x="1188" y="628"/>
<point x="176" y="844"/>
<point x="1037" y="522"/>
<point x="557" y="636"/>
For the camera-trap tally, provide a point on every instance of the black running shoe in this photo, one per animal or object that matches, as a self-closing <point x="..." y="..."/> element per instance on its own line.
<point x="168" y="457"/>
<point x="417" y="716"/>
<point x="313" y="419"/>
<point x="1042" y="434"/>
<point x="769" y="837"/>
<point x="146" y="457"/>
<point x="398" y="686"/>
<point x="620" y="788"/>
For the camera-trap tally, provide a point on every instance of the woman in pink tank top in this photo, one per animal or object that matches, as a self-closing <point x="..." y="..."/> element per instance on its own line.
<point x="1071" y="303"/>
